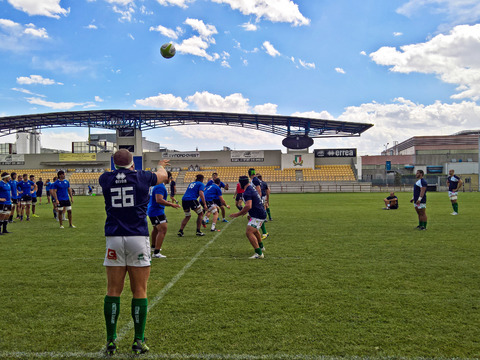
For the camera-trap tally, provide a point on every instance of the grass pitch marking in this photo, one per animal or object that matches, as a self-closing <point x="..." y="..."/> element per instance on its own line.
<point x="172" y="282"/>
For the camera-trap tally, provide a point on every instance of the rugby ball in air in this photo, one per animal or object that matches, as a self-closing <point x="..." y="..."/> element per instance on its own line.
<point x="168" y="50"/>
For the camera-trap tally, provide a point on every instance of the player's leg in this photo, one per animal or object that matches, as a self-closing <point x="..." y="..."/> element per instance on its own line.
<point x="251" y="234"/>
<point x="423" y="217"/>
<point x="222" y="208"/>
<point x="153" y="237"/>
<point x="27" y="210"/>
<point x="160" y="236"/>
<point x="60" y="212"/>
<point x="138" y="284"/>
<point x="111" y="303"/>
<point x="215" y="218"/>
<point x="70" y="216"/>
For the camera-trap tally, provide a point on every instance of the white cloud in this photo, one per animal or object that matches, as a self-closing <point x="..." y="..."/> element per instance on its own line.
<point x="198" y="45"/>
<point x="34" y="31"/>
<point x="126" y="14"/>
<point x="50" y="8"/>
<point x="25" y="91"/>
<point x="397" y="34"/>
<point x="340" y="70"/>
<point x="206" y="101"/>
<point x="266" y="109"/>
<point x="62" y="65"/>
<point x="98" y="99"/>
<point x="131" y="36"/>
<point x="306" y="65"/>
<point x="270" y="49"/>
<point x="35" y="79"/>
<point x="324" y="115"/>
<point x="452" y="57"/>
<point x="250" y="27"/>
<point x="53" y="105"/>
<point x="205" y="31"/>
<point x="58" y="139"/>
<point x="457" y="11"/>
<point x="170" y="33"/>
<point x="91" y="26"/>
<point x="275" y="11"/>
<point x="163" y="101"/>
<point x="180" y="3"/>
<point x="363" y="53"/>
<point x="121" y="2"/>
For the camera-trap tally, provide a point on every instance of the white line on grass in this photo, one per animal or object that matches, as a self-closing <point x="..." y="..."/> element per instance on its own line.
<point x="87" y="355"/>
<point x="172" y="282"/>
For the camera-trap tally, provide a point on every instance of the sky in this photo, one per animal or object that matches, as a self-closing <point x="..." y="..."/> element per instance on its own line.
<point x="409" y="67"/>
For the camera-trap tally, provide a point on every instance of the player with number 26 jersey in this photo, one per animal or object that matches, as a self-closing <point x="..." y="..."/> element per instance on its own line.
<point x="126" y="198"/>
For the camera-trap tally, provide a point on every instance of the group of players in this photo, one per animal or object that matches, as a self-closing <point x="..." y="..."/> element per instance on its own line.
<point x="21" y="195"/>
<point x="207" y="200"/>
<point x="130" y="195"/>
<point x="419" y="198"/>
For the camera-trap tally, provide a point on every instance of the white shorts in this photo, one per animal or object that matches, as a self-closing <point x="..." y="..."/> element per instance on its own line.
<point x="128" y="250"/>
<point x="453" y="195"/>
<point x="256" y="223"/>
<point x="420" y="206"/>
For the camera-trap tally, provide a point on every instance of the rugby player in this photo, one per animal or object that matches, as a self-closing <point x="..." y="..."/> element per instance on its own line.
<point x="222" y="186"/>
<point x="214" y="200"/>
<point x="25" y="189"/>
<point x="189" y="202"/>
<point x="34" y="195"/>
<point x="156" y="213"/>
<point x="125" y="191"/>
<point x="420" y="199"/>
<point x="255" y="181"/>
<point x="256" y="210"/>
<point x="62" y="193"/>
<point x="48" y="185"/>
<point x="15" y="204"/>
<point x="39" y="190"/>
<point x="238" y="197"/>
<point x="265" y="196"/>
<point x="454" y="183"/>
<point x="5" y="201"/>
<point x="391" y="202"/>
<point x="173" y="191"/>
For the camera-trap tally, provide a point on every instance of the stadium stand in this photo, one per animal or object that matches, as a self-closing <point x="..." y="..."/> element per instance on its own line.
<point x="329" y="173"/>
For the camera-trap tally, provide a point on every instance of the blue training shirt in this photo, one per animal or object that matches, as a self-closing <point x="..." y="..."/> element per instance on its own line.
<point x="126" y="194"/>
<point x="258" y="210"/>
<point x="24" y="188"/>
<point x="154" y="208"/>
<point x="62" y="189"/>
<point x="13" y="186"/>
<point x="212" y="192"/>
<point x="210" y="182"/>
<point x="193" y="190"/>
<point x="5" y="193"/>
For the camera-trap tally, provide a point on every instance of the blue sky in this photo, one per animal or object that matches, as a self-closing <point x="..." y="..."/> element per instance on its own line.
<point x="410" y="67"/>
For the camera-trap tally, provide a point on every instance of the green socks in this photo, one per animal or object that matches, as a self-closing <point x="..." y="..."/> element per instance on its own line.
<point x="264" y="229"/>
<point x="111" y="309"/>
<point x="139" y="315"/>
<point x="423" y="223"/>
<point x="269" y="215"/>
<point x="260" y="244"/>
<point x="455" y="207"/>
<point x="258" y="251"/>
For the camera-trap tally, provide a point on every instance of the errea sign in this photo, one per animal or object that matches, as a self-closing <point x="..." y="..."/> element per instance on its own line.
<point x="323" y="153"/>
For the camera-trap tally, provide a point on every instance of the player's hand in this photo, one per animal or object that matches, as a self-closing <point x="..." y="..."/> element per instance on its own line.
<point x="234" y="215"/>
<point x="411" y="200"/>
<point x="176" y="206"/>
<point x="228" y="207"/>
<point x="164" y="162"/>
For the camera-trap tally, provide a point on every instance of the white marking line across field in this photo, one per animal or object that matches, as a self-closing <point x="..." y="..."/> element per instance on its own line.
<point x="172" y="282"/>
<point x="89" y="355"/>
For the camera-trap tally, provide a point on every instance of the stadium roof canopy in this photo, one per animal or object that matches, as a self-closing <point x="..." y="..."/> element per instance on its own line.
<point x="150" y="119"/>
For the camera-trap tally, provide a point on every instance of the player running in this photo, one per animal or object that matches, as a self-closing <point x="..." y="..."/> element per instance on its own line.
<point x="454" y="184"/>
<point x="256" y="210"/>
<point x="156" y="213"/>
<point x="255" y="181"/>
<point x="189" y="202"/>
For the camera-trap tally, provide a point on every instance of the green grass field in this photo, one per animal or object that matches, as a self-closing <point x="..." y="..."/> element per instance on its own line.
<point x="341" y="278"/>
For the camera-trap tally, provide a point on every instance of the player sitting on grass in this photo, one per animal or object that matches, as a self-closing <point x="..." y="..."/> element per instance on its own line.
<point x="256" y="210"/>
<point x="391" y="202"/>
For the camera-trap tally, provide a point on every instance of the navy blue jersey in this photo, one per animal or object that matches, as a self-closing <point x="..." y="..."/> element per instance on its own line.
<point x="212" y="192"/>
<point x="193" y="190"/>
<point x="255" y="181"/>
<point x="453" y="182"/>
<point x="13" y="186"/>
<point x="210" y="182"/>
<point x="5" y="193"/>
<point x="126" y="199"/>
<point x="264" y="188"/>
<point x="172" y="187"/>
<point x="154" y="208"/>
<point x="62" y="189"/>
<point x="258" y="210"/>
<point x="417" y="188"/>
